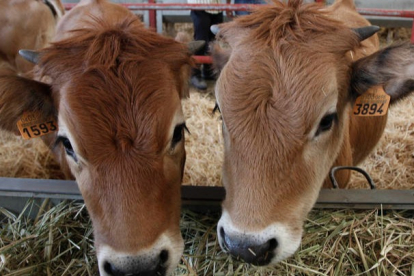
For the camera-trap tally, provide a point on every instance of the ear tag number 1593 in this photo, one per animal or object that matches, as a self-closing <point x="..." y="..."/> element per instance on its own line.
<point x="32" y="124"/>
<point x="374" y="102"/>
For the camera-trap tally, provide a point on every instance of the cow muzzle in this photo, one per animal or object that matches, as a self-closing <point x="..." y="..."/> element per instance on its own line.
<point x="151" y="264"/>
<point x="261" y="247"/>
<point x="248" y="248"/>
<point x="160" y="259"/>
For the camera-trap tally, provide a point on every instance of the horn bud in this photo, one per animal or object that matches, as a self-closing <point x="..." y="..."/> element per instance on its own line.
<point x="365" y="32"/>
<point x="215" y="29"/>
<point x="30" y="55"/>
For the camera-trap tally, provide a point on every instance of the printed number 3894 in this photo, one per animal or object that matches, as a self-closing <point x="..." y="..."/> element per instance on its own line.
<point x="40" y="129"/>
<point x="368" y="109"/>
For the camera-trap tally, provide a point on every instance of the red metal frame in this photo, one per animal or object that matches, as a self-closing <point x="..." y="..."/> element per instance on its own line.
<point x="152" y="15"/>
<point x="202" y="59"/>
<point x="152" y="8"/>
<point x="178" y="6"/>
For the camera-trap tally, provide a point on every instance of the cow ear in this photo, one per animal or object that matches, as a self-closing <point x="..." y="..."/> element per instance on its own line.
<point x="18" y="95"/>
<point x="184" y="87"/>
<point x="391" y="67"/>
<point x="220" y="56"/>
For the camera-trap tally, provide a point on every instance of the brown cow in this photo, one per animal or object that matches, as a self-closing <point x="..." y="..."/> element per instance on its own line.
<point x="114" y="88"/>
<point x="293" y="72"/>
<point x="26" y="24"/>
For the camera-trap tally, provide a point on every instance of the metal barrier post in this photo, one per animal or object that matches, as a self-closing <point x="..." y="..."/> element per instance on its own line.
<point x="152" y="14"/>
<point x="412" y="32"/>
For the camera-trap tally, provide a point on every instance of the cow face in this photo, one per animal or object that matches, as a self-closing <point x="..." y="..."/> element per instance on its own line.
<point x="285" y="94"/>
<point x="115" y="95"/>
<point x="128" y="159"/>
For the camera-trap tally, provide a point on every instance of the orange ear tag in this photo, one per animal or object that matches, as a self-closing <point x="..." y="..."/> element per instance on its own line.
<point x="374" y="102"/>
<point x="32" y="124"/>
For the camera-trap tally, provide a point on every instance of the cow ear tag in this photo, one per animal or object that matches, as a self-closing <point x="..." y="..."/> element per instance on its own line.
<point x="373" y="102"/>
<point x="33" y="124"/>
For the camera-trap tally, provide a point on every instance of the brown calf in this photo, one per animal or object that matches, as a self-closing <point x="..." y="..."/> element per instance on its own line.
<point x="114" y="88"/>
<point x="291" y="74"/>
<point x="26" y="24"/>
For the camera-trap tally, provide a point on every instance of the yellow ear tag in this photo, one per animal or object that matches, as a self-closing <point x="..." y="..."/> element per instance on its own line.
<point x="374" y="102"/>
<point x="32" y="124"/>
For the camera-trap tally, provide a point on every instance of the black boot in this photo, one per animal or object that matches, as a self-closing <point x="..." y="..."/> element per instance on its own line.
<point x="208" y="72"/>
<point x="197" y="81"/>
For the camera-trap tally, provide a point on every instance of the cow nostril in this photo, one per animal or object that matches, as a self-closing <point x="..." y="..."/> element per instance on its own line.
<point x="272" y="244"/>
<point x="163" y="256"/>
<point x="250" y="251"/>
<point x="224" y="244"/>
<point x="222" y="234"/>
<point x="111" y="269"/>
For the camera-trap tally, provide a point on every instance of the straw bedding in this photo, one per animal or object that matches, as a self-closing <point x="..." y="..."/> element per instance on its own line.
<point x="336" y="242"/>
<point x="391" y="165"/>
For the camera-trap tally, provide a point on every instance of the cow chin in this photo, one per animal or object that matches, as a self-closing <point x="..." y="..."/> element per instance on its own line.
<point x="159" y="259"/>
<point x="270" y="245"/>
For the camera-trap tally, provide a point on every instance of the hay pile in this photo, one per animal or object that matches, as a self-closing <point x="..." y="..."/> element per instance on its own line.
<point x="26" y="158"/>
<point x="204" y="145"/>
<point x="391" y="165"/>
<point x="58" y="242"/>
<point x="342" y="242"/>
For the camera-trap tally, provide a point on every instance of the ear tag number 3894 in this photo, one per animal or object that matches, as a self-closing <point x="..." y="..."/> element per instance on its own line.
<point x="374" y="102"/>
<point x="32" y="124"/>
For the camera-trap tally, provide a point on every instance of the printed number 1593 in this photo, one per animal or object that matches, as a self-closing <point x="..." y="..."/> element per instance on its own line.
<point x="39" y="129"/>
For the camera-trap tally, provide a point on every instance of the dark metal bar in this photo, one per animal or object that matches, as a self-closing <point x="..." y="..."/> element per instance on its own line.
<point x="209" y="198"/>
<point x="335" y="184"/>
<point x="37" y="186"/>
<point x="365" y="199"/>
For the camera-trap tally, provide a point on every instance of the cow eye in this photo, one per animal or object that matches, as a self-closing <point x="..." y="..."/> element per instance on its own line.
<point x="67" y="145"/>
<point x="178" y="134"/>
<point x="326" y="123"/>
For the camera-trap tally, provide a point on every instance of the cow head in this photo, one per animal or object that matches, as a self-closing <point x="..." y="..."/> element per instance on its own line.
<point x="285" y="91"/>
<point x="115" y="93"/>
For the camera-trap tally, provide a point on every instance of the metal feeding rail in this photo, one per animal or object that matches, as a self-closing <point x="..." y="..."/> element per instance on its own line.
<point x="14" y="192"/>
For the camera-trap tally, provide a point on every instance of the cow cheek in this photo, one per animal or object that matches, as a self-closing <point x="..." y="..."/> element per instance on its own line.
<point x="173" y="171"/>
<point x="91" y="197"/>
<point x="174" y="165"/>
